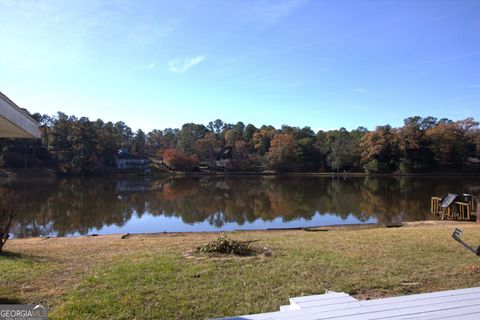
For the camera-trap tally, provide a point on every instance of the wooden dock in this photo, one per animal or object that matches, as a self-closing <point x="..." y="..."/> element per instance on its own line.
<point x="455" y="207"/>
<point x="454" y="304"/>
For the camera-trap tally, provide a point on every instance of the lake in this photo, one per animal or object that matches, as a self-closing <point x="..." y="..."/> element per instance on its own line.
<point x="79" y="206"/>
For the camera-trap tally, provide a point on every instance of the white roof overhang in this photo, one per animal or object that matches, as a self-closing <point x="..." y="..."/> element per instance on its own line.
<point x="15" y="122"/>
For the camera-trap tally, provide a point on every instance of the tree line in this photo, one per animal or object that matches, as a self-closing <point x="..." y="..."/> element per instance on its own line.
<point x="81" y="146"/>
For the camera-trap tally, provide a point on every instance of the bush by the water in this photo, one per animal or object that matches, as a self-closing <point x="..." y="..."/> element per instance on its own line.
<point x="224" y="245"/>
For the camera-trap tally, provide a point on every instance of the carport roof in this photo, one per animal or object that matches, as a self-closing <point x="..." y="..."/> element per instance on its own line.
<point x="15" y="122"/>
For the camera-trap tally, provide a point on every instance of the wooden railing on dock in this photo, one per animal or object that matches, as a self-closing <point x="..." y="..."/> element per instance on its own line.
<point x="435" y="205"/>
<point x="457" y="210"/>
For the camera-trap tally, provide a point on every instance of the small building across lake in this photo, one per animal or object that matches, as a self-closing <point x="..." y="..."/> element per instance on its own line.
<point x="127" y="161"/>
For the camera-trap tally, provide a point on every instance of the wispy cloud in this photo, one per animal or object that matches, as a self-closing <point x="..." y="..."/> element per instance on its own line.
<point x="270" y="12"/>
<point x="151" y="31"/>
<point x="227" y="67"/>
<point x="152" y="65"/>
<point x="358" y="90"/>
<point x="182" y="65"/>
<point x="294" y="84"/>
<point x="472" y="86"/>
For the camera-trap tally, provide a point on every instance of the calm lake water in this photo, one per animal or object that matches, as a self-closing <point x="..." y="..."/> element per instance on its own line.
<point x="78" y="206"/>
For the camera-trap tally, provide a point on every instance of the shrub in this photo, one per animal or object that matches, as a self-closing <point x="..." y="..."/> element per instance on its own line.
<point x="224" y="245"/>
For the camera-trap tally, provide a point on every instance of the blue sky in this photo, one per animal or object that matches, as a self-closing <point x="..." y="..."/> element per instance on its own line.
<point x="323" y="64"/>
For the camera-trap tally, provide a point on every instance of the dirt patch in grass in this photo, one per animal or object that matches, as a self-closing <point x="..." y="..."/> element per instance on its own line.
<point x="370" y="294"/>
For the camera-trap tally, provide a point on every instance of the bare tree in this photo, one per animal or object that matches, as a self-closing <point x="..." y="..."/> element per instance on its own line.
<point x="8" y="210"/>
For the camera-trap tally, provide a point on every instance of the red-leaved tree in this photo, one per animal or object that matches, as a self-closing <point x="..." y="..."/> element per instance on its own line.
<point x="178" y="160"/>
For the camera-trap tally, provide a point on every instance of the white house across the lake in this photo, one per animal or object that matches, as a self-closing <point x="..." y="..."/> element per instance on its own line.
<point x="127" y="161"/>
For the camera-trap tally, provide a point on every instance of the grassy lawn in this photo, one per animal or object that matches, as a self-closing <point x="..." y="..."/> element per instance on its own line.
<point x="148" y="277"/>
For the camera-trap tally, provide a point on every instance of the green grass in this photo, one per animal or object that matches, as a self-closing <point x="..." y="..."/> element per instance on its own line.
<point x="147" y="277"/>
<point x="16" y="272"/>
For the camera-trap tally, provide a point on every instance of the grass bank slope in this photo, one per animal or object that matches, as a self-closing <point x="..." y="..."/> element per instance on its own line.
<point x="148" y="276"/>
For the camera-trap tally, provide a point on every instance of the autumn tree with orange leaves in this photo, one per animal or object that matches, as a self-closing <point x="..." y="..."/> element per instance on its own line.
<point x="281" y="154"/>
<point x="380" y="149"/>
<point x="178" y="160"/>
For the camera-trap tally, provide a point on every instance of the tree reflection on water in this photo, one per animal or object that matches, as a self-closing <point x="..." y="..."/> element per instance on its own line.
<point x="78" y="205"/>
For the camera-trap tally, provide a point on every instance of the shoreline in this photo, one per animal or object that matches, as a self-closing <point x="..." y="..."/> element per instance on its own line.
<point x="50" y="173"/>
<point x="331" y="228"/>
